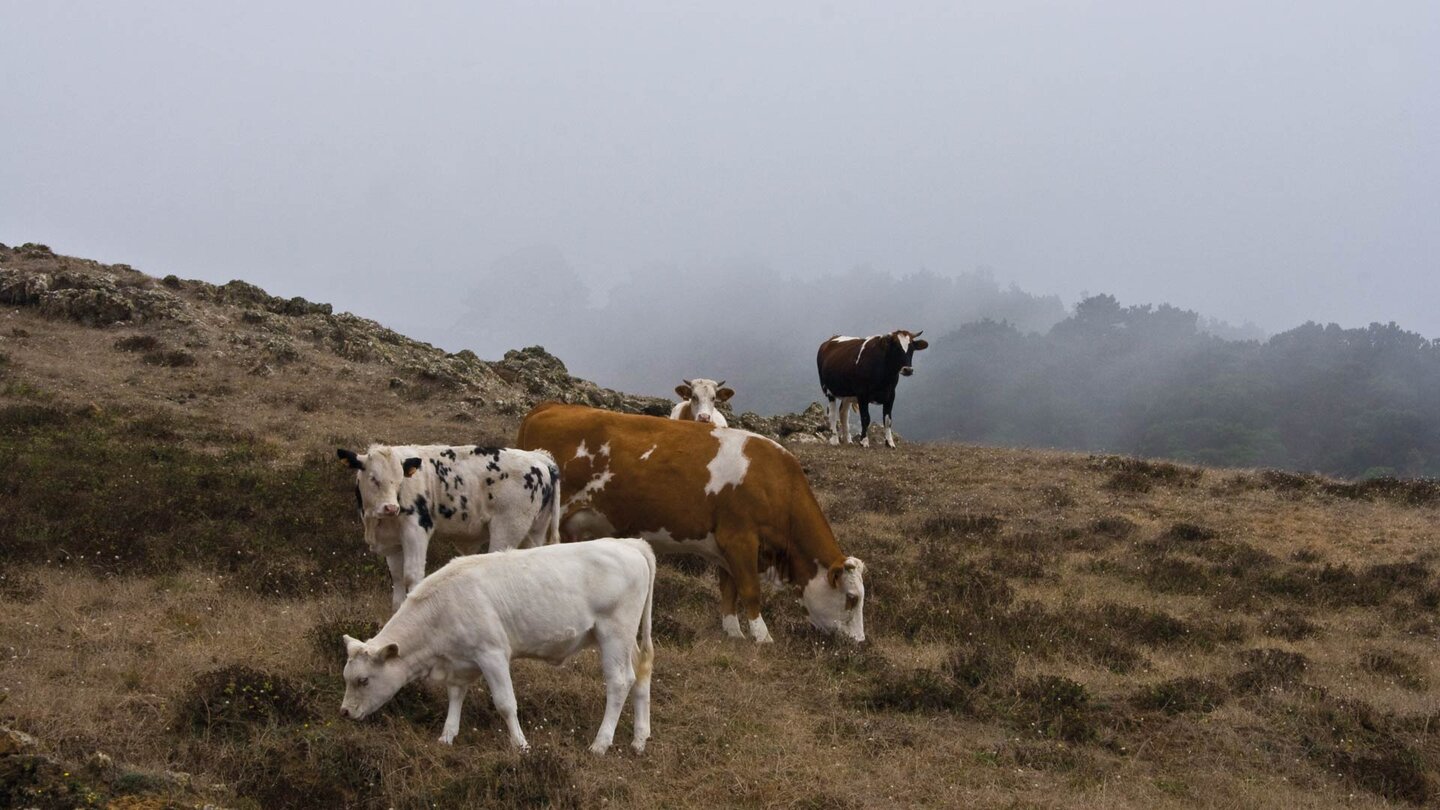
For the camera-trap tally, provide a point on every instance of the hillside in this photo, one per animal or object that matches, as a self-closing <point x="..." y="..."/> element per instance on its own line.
<point x="179" y="556"/>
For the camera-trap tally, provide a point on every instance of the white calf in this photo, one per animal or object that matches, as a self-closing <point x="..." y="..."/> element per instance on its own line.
<point x="471" y="617"/>
<point x="698" y="399"/>
<point x="477" y="497"/>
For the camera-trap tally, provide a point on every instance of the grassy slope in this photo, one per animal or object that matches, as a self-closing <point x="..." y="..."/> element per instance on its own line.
<point x="1047" y="629"/>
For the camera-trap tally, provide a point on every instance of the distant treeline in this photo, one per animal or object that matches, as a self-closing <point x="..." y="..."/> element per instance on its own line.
<point x="1151" y="381"/>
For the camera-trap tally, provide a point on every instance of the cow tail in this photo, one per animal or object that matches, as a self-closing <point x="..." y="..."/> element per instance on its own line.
<point x="553" y="533"/>
<point x="645" y="651"/>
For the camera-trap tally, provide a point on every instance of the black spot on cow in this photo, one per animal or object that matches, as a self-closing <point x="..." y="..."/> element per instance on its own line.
<point x="490" y="496"/>
<point x="464" y="502"/>
<point x="489" y="481"/>
<point x="494" y="453"/>
<point x="448" y="453"/>
<point x="359" y="501"/>
<point x="445" y="511"/>
<point x="423" y="509"/>
<point x="459" y="482"/>
<point x="541" y="482"/>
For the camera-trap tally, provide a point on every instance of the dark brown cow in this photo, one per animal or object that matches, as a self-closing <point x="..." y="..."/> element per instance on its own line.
<point x="729" y="495"/>
<point x="862" y="371"/>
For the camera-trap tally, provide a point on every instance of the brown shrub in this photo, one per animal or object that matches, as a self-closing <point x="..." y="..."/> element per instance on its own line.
<point x="234" y="700"/>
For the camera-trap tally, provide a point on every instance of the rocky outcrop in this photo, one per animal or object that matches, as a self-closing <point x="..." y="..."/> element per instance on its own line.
<point x="270" y="334"/>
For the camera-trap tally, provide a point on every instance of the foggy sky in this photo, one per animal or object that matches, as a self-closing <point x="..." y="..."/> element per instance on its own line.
<point x="1267" y="162"/>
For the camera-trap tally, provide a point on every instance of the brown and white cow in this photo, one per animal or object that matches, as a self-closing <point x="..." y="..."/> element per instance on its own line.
<point x="700" y="400"/>
<point x="687" y="487"/>
<point x="861" y="371"/>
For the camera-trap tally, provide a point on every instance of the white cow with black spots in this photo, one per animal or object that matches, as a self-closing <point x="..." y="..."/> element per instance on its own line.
<point x="476" y="497"/>
<point x="467" y="620"/>
<point x="698" y="401"/>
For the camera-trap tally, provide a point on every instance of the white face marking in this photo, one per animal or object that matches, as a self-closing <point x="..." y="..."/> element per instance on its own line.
<point x="904" y="342"/>
<point x="838" y="609"/>
<point x="646" y="455"/>
<point x="703" y="394"/>
<point x="729" y="465"/>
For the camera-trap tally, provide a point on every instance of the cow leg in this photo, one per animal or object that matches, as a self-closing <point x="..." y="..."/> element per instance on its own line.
<point x="864" y="422"/>
<point x="511" y="529"/>
<point x="741" y="551"/>
<point x="640" y="698"/>
<point x="452" y="717"/>
<point x="844" y="409"/>
<point x="729" y="622"/>
<point x="396" y="560"/>
<point x="618" y="666"/>
<point x="832" y="413"/>
<point x="886" y="408"/>
<point x="496" y="668"/>
<point x="413" y="544"/>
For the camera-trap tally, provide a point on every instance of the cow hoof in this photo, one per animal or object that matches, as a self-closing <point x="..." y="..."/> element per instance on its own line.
<point x="599" y="748"/>
<point x="835" y="440"/>
<point x="447" y="739"/>
<point x="890" y="445"/>
<point x="638" y="746"/>
<point x="731" y="625"/>
<point x="865" y="442"/>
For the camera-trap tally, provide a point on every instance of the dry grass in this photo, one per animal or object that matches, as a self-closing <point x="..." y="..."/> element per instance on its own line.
<point x="1048" y="629"/>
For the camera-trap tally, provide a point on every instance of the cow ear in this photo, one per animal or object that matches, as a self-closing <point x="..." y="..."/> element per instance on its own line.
<point x="833" y="575"/>
<point x="410" y="465"/>
<point x="349" y="459"/>
<point x="389" y="651"/>
<point x="683" y="391"/>
<point x="352" y="646"/>
<point x="920" y="344"/>
<point x="724" y="394"/>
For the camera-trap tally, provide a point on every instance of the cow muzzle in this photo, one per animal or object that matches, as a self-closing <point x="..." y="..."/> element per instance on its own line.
<point x="702" y="417"/>
<point x="907" y="371"/>
<point x="388" y="510"/>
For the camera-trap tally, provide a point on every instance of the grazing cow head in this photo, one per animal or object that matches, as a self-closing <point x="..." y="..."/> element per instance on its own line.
<point x="835" y="599"/>
<point x="373" y="674"/>
<point x="903" y="348"/>
<point x="703" y="394"/>
<point x="378" y="476"/>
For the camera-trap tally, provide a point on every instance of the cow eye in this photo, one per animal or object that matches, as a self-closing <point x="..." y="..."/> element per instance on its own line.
<point x="363" y="681"/>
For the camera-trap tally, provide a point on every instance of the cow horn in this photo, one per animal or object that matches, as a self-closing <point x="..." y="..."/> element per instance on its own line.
<point x="921" y="332"/>
<point x="719" y="384"/>
<point x="687" y="382"/>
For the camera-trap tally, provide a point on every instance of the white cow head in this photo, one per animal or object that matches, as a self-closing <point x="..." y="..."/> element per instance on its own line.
<point x="835" y="599"/>
<point x="373" y="674"/>
<point x="378" y="476"/>
<point x="703" y="394"/>
<point x="908" y="344"/>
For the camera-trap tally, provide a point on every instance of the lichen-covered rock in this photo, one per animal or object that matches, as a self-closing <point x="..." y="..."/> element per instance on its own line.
<point x="21" y="288"/>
